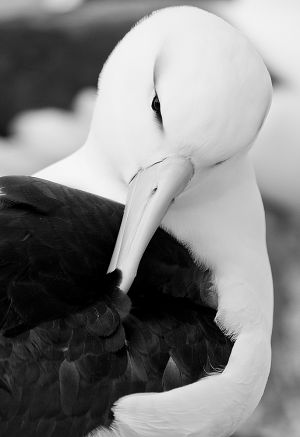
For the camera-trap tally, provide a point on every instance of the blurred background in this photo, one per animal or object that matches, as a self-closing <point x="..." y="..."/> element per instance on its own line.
<point x="51" y="52"/>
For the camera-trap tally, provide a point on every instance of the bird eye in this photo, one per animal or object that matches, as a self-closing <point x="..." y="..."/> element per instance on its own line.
<point x="155" y="105"/>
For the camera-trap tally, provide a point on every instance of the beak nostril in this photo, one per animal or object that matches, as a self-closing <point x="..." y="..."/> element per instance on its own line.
<point x="134" y="176"/>
<point x="154" y="190"/>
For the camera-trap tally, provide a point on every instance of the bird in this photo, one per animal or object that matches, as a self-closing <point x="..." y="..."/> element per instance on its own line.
<point x="180" y="101"/>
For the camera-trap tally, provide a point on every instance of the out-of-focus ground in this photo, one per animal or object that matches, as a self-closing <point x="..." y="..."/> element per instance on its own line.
<point x="51" y="52"/>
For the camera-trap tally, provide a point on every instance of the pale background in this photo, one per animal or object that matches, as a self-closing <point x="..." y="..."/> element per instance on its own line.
<point x="51" y="52"/>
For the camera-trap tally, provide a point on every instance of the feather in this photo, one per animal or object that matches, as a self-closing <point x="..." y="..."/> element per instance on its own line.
<point x="69" y="386"/>
<point x="71" y="343"/>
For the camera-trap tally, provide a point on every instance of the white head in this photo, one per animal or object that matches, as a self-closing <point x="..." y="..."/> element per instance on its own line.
<point x="213" y="87"/>
<point x="213" y="92"/>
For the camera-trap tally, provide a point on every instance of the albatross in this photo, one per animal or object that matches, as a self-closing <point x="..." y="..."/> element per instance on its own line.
<point x="175" y="339"/>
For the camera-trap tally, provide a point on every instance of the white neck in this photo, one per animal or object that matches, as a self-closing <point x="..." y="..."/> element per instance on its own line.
<point x="227" y="229"/>
<point x="217" y="405"/>
<point x="90" y="169"/>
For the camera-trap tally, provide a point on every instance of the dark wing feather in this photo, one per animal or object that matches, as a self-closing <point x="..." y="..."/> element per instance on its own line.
<point x="71" y="343"/>
<point x="52" y="246"/>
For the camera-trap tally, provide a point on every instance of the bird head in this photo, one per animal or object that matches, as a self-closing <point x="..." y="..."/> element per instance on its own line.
<point x="182" y="95"/>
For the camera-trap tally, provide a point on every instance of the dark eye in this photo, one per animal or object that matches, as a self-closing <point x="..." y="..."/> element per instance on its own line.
<point x="155" y="105"/>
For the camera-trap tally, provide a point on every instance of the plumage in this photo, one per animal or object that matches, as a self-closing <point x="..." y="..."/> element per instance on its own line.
<point x="71" y="343"/>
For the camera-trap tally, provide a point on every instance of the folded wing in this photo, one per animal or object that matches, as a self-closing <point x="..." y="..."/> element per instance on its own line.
<point x="71" y="343"/>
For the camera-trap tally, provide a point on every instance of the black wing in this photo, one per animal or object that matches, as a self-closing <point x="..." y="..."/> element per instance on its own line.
<point x="71" y="343"/>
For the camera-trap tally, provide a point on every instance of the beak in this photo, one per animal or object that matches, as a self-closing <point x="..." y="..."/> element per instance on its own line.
<point x="150" y="195"/>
